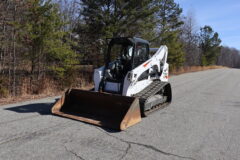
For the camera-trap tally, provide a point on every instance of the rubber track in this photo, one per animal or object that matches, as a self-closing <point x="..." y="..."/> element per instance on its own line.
<point x="150" y="90"/>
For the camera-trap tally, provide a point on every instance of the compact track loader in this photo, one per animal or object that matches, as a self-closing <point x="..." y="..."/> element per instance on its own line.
<point x="131" y="84"/>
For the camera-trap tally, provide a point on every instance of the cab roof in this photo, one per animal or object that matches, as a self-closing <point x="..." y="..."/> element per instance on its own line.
<point x="132" y="40"/>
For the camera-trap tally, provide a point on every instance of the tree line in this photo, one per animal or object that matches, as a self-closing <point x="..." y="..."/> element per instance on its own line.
<point x="51" y="43"/>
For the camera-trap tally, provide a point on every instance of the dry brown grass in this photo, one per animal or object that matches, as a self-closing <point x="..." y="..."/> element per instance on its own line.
<point x="23" y="98"/>
<point x="49" y="88"/>
<point x="187" y="69"/>
<point x="49" y="92"/>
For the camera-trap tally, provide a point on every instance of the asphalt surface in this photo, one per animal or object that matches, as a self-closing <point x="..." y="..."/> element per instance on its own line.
<point x="202" y="123"/>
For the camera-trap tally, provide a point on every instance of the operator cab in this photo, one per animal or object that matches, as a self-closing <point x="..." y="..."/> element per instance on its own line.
<point x="124" y="54"/>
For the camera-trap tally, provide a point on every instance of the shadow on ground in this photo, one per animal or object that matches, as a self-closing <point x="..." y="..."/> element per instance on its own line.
<point x="41" y="108"/>
<point x="45" y="109"/>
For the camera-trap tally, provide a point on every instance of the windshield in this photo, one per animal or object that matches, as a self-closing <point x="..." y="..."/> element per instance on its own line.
<point x="121" y="51"/>
<point x="141" y="54"/>
<point x="120" y="61"/>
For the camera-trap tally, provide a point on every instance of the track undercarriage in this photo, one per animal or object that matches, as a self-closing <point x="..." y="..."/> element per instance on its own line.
<point x="156" y="96"/>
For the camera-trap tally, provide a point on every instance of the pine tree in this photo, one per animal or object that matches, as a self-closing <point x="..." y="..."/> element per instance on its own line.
<point x="168" y="30"/>
<point x="210" y="45"/>
<point x="43" y="37"/>
<point x="113" y="18"/>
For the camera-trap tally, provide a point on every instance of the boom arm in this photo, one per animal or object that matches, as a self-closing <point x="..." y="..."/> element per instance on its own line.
<point x="154" y="68"/>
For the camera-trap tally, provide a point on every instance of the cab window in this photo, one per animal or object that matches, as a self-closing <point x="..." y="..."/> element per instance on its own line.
<point x="141" y="54"/>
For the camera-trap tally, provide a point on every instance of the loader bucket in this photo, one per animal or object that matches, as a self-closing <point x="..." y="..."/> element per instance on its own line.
<point x="102" y="109"/>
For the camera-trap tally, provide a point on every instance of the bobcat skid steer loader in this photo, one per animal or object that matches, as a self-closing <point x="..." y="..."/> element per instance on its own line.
<point x="129" y="86"/>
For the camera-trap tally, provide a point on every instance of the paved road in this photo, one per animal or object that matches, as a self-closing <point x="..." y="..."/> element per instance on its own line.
<point x="202" y="123"/>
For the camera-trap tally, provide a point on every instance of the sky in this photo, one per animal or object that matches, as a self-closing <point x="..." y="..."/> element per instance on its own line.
<point x="222" y="15"/>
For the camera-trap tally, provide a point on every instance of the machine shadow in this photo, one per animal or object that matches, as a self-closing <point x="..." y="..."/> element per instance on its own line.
<point x="45" y="109"/>
<point x="41" y="108"/>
